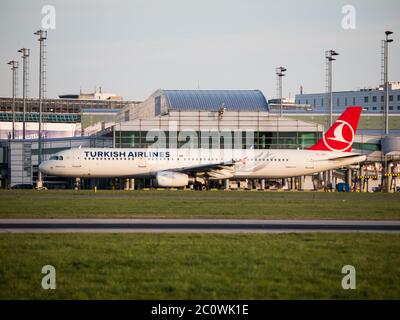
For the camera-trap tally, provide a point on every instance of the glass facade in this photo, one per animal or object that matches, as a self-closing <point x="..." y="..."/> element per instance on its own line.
<point x="210" y="139"/>
<point x="366" y="146"/>
<point x="47" y="117"/>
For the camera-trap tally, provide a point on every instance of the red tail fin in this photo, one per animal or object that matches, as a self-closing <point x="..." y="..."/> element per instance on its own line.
<point x="340" y="135"/>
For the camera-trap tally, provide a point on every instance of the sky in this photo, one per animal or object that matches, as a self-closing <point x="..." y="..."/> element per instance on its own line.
<point x="134" y="47"/>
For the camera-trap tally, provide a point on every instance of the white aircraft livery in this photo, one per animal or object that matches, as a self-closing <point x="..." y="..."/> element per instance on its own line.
<point x="181" y="167"/>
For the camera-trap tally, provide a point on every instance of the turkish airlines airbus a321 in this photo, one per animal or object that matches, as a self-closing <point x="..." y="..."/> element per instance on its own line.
<point x="181" y="167"/>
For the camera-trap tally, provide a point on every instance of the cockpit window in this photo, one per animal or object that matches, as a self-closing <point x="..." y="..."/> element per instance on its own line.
<point x="56" y="158"/>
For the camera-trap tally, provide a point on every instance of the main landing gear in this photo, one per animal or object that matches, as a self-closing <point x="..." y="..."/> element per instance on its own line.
<point x="201" y="186"/>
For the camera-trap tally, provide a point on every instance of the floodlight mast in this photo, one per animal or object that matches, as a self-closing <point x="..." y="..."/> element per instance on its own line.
<point x="329" y="56"/>
<point x="279" y="74"/>
<point x="386" y="78"/>
<point x="25" y="78"/>
<point x="14" y="69"/>
<point x="42" y="37"/>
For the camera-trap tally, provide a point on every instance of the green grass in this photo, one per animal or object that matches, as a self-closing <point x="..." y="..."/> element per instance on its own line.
<point x="194" y="204"/>
<point x="195" y="266"/>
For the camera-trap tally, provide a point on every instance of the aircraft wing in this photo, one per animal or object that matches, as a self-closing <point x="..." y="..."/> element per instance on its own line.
<point x="346" y="157"/>
<point x="350" y="156"/>
<point x="204" y="168"/>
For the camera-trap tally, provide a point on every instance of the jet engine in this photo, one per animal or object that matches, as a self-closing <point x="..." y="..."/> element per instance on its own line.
<point x="172" y="179"/>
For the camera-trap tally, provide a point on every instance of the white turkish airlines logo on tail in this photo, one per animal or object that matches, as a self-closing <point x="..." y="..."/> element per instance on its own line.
<point x="342" y="139"/>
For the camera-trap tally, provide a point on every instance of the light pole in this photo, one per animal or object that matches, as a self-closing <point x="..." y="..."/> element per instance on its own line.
<point x="386" y="81"/>
<point x="279" y="74"/>
<point x="386" y="168"/>
<point x="25" y="63"/>
<point x="329" y="56"/>
<point x="42" y="37"/>
<point x="14" y="68"/>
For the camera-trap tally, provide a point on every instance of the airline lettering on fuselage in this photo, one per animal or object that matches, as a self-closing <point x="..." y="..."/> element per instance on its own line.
<point x="126" y="154"/>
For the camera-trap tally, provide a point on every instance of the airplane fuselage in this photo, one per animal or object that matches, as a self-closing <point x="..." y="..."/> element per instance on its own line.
<point x="251" y="163"/>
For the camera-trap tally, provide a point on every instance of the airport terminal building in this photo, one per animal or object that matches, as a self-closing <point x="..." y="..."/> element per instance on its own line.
<point x="372" y="100"/>
<point x="203" y="113"/>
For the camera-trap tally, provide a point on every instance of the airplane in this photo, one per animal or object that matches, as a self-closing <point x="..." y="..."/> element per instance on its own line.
<point x="182" y="167"/>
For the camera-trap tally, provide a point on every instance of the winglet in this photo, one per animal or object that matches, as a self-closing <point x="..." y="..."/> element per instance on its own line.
<point x="340" y="136"/>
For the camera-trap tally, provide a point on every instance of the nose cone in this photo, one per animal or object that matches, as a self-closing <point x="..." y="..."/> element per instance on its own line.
<point x="44" y="167"/>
